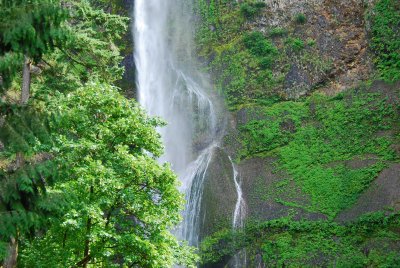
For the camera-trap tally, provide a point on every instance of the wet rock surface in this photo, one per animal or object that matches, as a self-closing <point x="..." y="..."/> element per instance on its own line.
<point x="219" y="195"/>
<point x="383" y="194"/>
<point x="259" y="180"/>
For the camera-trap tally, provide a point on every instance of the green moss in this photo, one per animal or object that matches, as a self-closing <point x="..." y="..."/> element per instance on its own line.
<point x="296" y="44"/>
<point x="278" y="32"/>
<point x="276" y="130"/>
<point x="310" y="136"/>
<point x="243" y="63"/>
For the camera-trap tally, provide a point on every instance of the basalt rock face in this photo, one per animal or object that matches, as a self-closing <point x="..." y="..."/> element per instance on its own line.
<point x="335" y="58"/>
<point x="336" y="55"/>
<point x="219" y="195"/>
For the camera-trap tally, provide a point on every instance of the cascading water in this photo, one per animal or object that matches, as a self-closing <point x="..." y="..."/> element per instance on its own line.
<point x="170" y="86"/>
<point x="239" y="214"/>
<point x="240" y="208"/>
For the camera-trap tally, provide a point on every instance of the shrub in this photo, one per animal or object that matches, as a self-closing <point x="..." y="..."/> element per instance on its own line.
<point x="295" y="44"/>
<point x="259" y="45"/>
<point x="311" y="42"/>
<point x="300" y="18"/>
<point x="250" y="10"/>
<point x="277" y="32"/>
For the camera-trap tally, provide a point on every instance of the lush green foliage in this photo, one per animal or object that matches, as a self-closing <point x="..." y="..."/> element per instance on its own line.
<point x="385" y="38"/>
<point x="296" y="44"/>
<point x="30" y="28"/>
<point x="300" y="18"/>
<point x="242" y="61"/>
<point x="289" y="243"/>
<point x="326" y="132"/>
<point x="278" y="32"/>
<point x="80" y="184"/>
<point x="329" y="149"/>
<point x="121" y="202"/>
<point x="261" y="48"/>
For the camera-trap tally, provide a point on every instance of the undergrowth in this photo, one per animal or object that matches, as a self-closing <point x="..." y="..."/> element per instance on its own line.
<point x="368" y="242"/>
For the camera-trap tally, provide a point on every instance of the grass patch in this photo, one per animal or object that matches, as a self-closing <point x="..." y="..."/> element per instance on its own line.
<point x="367" y="242"/>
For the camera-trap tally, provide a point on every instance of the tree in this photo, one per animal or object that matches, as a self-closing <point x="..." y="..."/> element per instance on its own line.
<point x="87" y="189"/>
<point x="122" y="201"/>
<point x="28" y="29"/>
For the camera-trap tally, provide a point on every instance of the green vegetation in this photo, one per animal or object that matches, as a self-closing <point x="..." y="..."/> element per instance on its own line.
<point x="385" y="38"/>
<point x="289" y="243"/>
<point x="79" y="181"/>
<point x="29" y="30"/>
<point x="261" y="48"/>
<point x="243" y="61"/>
<point x="249" y="67"/>
<point x="329" y="149"/>
<point x="300" y="18"/>
<point x="250" y="10"/>
<point x="102" y="143"/>
<point x="296" y="44"/>
<point x="278" y="32"/>
<point x="325" y="131"/>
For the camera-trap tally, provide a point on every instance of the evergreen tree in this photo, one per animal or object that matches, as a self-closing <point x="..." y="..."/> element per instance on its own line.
<point x="79" y="181"/>
<point x="28" y="28"/>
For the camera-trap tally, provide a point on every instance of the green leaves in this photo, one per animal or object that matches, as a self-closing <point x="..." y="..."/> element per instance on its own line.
<point x="30" y="28"/>
<point x="250" y="10"/>
<point x="122" y="203"/>
<point x="85" y="186"/>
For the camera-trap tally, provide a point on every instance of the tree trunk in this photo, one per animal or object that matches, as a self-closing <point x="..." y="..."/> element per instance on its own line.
<point x="26" y="81"/>
<point x="12" y="253"/>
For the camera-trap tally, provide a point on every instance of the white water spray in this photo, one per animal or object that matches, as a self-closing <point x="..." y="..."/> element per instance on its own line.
<point x="170" y="86"/>
<point x="239" y="213"/>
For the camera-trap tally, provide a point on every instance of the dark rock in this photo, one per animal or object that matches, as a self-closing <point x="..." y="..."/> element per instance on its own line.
<point x="219" y="195"/>
<point x="384" y="193"/>
<point x="288" y="125"/>
<point x="297" y="82"/>
<point x="259" y="185"/>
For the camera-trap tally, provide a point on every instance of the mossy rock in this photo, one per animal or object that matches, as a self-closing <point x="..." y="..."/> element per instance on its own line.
<point x="219" y="196"/>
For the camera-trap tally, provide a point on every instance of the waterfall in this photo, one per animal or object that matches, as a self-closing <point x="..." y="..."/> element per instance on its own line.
<point x="239" y="214"/>
<point x="240" y="207"/>
<point x="170" y="86"/>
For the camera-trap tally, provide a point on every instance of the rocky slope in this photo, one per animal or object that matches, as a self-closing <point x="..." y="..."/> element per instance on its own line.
<point x="314" y="130"/>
